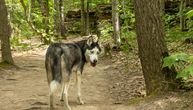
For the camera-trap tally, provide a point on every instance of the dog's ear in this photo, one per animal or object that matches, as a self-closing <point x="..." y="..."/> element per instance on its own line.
<point x="92" y="39"/>
<point x="95" y="38"/>
<point x="89" y="41"/>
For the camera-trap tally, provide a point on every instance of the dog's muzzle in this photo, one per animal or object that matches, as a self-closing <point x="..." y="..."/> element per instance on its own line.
<point x="93" y="63"/>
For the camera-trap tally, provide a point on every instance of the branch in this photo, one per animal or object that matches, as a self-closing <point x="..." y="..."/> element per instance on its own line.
<point x="29" y="20"/>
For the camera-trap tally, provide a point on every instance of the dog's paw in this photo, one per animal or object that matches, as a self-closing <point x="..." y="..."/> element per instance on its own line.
<point x="67" y="108"/>
<point x="80" y="101"/>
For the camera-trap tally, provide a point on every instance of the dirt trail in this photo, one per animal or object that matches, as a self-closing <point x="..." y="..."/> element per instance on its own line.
<point x="26" y="88"/>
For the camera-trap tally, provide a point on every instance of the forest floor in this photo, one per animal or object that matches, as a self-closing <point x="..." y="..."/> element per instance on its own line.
<point x="114" y="84"/>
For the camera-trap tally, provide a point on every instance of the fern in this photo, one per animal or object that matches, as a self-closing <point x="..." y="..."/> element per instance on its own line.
<point x="189" y="14"/>
<point x="174" y="59"/>
<point x="183" y="64"/>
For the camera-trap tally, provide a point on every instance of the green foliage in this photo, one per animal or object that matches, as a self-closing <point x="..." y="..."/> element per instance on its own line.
<point x="106" y="29"/>
<point x="183" y="64"/>
<point x="174" y="59"/>
<point x="185" y="73"/>
<point x="20" y="28"/>
<point x="17" y="44"/>
<point x="14" y="41"/>
<point x="127" y="22"/>
<point x="127" y="40"/>
<point x="127" y="16"/>
<point x="170" y="20"/>
<point x="18" y="21"/>
<point x="189" y="14"/>
<point x="174" y="34"/>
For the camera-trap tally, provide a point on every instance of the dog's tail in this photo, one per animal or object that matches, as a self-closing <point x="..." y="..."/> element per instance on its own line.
<point x="53" y="68"/>
<point x="53" y="86"/>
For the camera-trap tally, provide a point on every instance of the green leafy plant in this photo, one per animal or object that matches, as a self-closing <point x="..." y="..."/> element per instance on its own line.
<point x="106" y="29"/>
<point x="189" y="14"/>
<point x="183" y="64"/>
<point x="170" y="20"/>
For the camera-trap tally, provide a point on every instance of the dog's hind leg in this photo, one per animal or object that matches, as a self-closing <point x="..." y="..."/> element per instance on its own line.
<point x="78" y="83"/>
<point x="53" y="87"/>
<point x="51" y="106"/>
<point x="64" y="94"/>
<point x="52" y="84"/>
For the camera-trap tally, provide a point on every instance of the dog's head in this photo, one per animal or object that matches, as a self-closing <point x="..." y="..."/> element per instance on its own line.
<point x="93" y="49"/>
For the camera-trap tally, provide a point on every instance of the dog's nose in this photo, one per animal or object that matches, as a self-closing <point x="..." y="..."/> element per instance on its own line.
<point x="95" y="61"/>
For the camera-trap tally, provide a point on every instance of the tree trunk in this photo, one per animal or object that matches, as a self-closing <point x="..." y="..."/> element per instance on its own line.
<point x="5" y="33"/>
<point x="182" y="17"/>
<point x="162" y="6"/>
<point x="32" y="10"/>
<point x="62" y="26"/>
<point x="29" y="10"/>
<point x="87" y="18"/>
<point x="83" y="19"/>
<point x="56" y="18"/>
<point x="45" y="13"/>
<point x="59" y="27"/>
<point x="115" y="21"/>
<point x="152" y="47"/>
<point x="44" y="6"/>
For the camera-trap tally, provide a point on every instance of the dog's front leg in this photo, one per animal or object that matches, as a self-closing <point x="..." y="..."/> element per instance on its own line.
<point x="78" y="82"/>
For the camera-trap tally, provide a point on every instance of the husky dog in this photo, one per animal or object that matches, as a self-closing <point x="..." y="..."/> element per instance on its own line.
<point x="61" y="58"/>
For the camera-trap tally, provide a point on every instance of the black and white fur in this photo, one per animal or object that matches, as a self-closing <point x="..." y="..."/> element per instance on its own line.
<point x="61" y="58"/>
